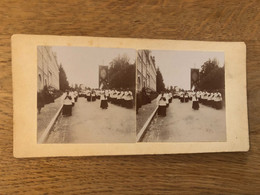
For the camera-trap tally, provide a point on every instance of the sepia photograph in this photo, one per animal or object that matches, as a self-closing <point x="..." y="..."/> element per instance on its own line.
<point x="92" y="96"/>
<point x="85" y="95"/>
<point x="180" y="96"/>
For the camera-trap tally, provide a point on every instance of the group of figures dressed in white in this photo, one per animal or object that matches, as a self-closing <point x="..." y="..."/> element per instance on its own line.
<point x="211" y="99"/>
<point x="163" y="101"/>
<point x="122" y="98"/>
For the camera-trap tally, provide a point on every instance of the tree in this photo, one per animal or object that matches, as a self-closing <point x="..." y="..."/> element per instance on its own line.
<point x="212" y="76"/>
<point x="64" y="84"/>
<point x="160" y="86"/>
<point x="121" y="73"/>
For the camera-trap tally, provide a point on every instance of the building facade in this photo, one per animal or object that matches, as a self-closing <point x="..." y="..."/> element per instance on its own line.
<point x="146" y="70"/>
<point x="48" y="68"/>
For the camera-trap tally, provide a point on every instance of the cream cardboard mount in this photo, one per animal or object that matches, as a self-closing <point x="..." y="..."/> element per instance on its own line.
<point x="24" y="70"/>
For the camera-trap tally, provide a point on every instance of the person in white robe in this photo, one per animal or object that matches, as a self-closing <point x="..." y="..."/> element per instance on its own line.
<point x="218" y="101"/>
<point x="88" y="95"/>
<point x="72" y="97"/>
<point x="210" y="100"/>
<point x="195" y="102"/>
<point x="128" y="99"/>
<point x="170" y="97"/>
<point x="119" y="98"/>
<point x="186" y="97"/>
<point x="93" y="96"/>
<point x="166" y="95"/>
<point x="114" y="97"/>
<point x="67" y="105"/>
<point x="107" y="93"/>
<point x="162" y="103"/>
<point x="181" y="96"/>
<point x="103" y="102"/>
<point x="76" y="95"/>
<point x="202" y="96"/>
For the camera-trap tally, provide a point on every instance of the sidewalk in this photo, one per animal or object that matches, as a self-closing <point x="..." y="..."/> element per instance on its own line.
<point x="46" y="115"/>
<point x="143" y="114"/>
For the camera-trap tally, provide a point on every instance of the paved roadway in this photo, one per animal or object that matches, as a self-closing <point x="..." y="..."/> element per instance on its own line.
<point x="183" y="124"/>
<point x="90" y="124"/>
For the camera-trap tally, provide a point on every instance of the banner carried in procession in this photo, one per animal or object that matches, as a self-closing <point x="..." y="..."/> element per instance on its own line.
<point x="194" y="78"/>
<point x="103" y="77"/>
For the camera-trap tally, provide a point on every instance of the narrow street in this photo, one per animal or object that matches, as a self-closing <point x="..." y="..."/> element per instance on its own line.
<point x="183" y="124"/>
<point x="90" y="124"/>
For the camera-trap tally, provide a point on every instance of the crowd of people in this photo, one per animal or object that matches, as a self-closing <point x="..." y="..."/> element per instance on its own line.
<point x="212" y="99"/>
<point x="122" y="98"/>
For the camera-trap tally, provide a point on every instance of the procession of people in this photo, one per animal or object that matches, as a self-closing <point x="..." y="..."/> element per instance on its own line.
<point x="212" y="99"/>
<point x="121" y="97"/>
<point x="124" y="98"/>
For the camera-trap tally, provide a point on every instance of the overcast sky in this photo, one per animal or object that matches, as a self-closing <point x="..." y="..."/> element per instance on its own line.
<point x="175" y="65"/>
<point x="81" y="63"/>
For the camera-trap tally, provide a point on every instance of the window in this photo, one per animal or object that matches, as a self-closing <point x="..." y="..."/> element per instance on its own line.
<point x="148" y="80"/>
<point x="40" y="78"/>
<point x="39" y="81"/>
<point x="139" y="83"/>
<point x="50" y="78"/>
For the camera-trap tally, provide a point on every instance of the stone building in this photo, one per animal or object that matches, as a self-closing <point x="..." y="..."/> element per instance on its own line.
<point x="146" y="70"/>
<point x="48" y="68"/>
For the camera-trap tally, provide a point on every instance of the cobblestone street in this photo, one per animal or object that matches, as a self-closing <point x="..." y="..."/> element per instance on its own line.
<point x="90" y="124"/>
<point x="183" y="124"/>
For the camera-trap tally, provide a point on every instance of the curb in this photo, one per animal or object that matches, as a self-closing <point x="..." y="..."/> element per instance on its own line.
<point x="141" y="133"/>
<point x="46" y="132"/>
